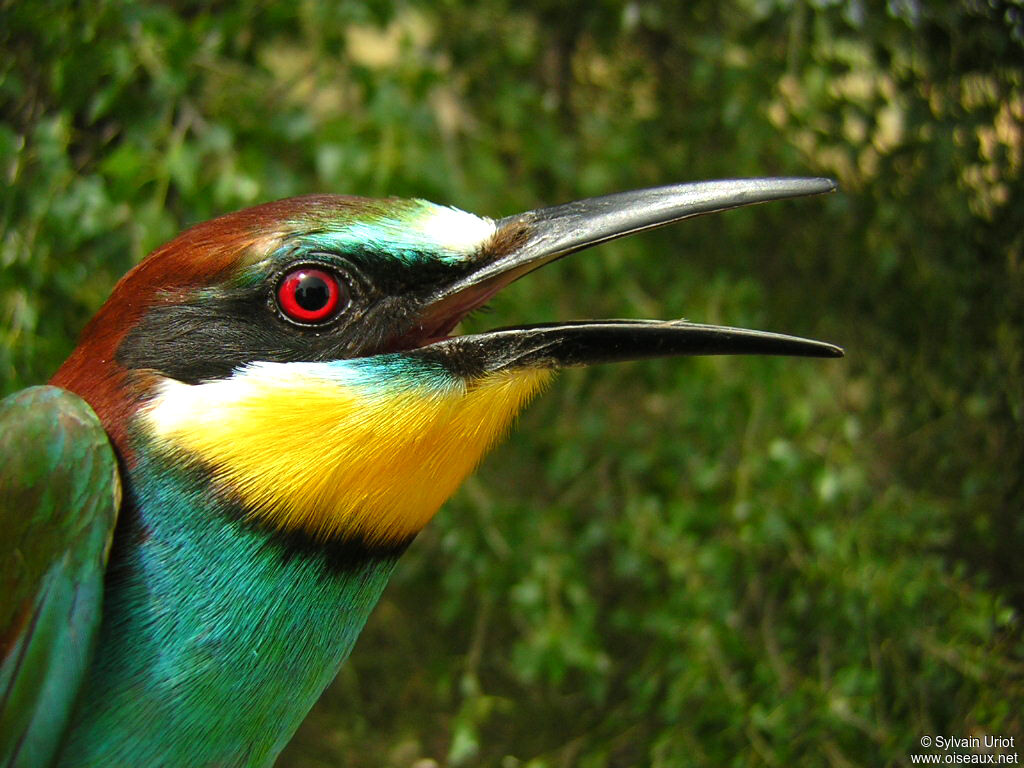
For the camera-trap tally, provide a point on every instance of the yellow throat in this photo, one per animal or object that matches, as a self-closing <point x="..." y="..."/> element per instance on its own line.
<point x="344" y="449"/>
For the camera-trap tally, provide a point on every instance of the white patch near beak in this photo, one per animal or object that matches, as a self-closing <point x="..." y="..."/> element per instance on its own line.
<point x="453" y="230"/>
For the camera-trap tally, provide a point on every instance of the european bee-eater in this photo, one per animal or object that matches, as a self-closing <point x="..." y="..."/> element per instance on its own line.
<point x="270" y="407"/>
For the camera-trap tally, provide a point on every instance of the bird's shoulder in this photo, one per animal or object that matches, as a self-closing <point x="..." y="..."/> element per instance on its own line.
<point x="59" y="496"/>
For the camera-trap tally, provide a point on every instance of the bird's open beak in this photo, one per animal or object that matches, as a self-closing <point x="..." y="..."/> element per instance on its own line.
<point x="529" y="240"/>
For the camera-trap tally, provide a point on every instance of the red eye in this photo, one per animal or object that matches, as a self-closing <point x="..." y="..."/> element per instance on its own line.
<point x="309" y="295"/>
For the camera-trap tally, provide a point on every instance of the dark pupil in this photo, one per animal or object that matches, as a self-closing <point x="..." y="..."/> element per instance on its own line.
<point x="312" y="293"/>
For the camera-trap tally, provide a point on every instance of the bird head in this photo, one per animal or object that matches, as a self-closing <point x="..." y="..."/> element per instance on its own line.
<point x="300" y="354"/>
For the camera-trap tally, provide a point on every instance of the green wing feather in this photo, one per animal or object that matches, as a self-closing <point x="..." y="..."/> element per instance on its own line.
<point x="59" y="495"/>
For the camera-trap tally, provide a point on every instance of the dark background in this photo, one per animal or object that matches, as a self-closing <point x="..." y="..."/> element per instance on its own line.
<point x="724" y="562"/>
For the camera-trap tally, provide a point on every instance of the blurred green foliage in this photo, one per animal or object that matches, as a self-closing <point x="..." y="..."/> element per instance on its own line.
<point x="705" y="562"/>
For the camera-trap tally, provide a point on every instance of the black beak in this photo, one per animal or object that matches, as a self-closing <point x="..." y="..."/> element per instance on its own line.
<point x="527" y="241"/>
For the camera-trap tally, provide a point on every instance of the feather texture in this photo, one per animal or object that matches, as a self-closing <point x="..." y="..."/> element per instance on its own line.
<point x="367" y="448"/>
<point x="216" y="637"/>
<point x="59" y="495"/>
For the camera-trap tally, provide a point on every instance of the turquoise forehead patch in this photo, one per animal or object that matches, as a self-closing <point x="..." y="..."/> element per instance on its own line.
<point x="411" y="231"/>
